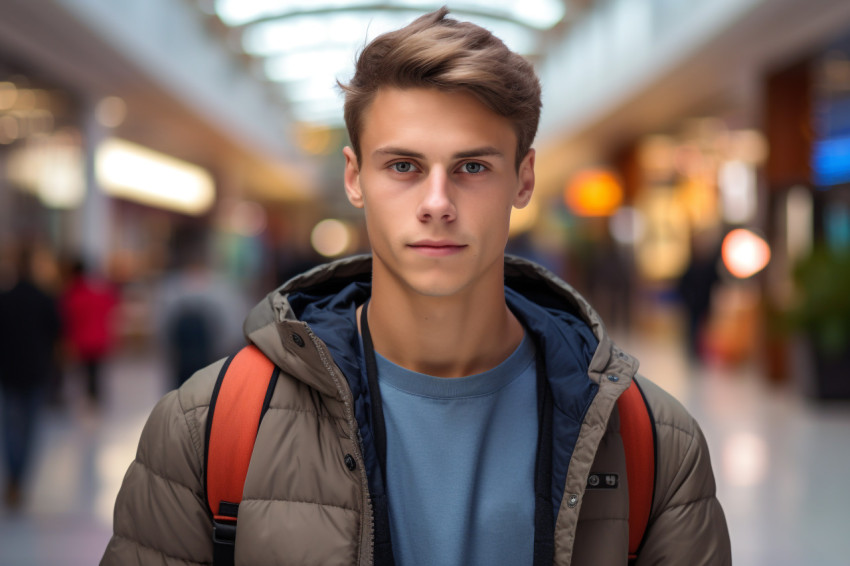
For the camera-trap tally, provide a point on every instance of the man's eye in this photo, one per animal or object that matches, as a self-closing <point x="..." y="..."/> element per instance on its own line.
<point x="402" y="167"/>
<point x="472" y="167"/>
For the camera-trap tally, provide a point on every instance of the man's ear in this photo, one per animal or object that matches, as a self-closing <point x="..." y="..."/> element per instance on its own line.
<point x="526" y="180"/>
<point x="352" y="178"/>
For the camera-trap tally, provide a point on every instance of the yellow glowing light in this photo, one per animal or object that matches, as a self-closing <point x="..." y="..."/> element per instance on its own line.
<point x="594" y="193"/>
<point x="700" y="201"/>
<point x="50" y="167"/>
<point x="744" y="253"/>
<point x="662" y="251"/>
<point x="140" y="174"/>
<point x="331" y="237"/>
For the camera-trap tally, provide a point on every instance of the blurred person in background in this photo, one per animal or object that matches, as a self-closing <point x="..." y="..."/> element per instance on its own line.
<point x="29" y="333"/>
<point x="197" y="310"/>
<point x="435" y="403"/>
<point x="609" y="284"/>
<point x="695" y="287"/>
<point x="88" y="307"/>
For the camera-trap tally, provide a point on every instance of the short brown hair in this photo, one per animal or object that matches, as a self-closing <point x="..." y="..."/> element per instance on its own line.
<point x="438" y="52"/>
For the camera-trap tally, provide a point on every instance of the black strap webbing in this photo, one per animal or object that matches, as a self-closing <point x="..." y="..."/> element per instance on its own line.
<point x="383" y="551"/>
<point x="544" y="515"/>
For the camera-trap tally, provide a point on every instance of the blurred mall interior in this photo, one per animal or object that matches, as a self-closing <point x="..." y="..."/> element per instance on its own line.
<point x="693" y="182"/>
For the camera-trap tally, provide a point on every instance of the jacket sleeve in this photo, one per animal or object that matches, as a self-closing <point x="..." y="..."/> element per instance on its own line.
<point x="687" y="525"/>
<point x="160" y="513"/>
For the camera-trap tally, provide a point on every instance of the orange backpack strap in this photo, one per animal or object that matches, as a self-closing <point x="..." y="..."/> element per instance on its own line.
<point x="637" y="429"/>
<point x="240" y="399"/>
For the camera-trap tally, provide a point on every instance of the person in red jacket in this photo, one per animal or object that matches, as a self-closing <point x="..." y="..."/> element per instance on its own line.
<point x="87" y="307"/>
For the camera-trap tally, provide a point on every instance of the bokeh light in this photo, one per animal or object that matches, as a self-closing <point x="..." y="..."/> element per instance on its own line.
<point x="745" y="459"/>
<point x="331" y="237"/>
<point x="140" y="174"/>
<point x="744" y="253"/>
<point x="593" y="192"/>
<point x="111" y="112"/>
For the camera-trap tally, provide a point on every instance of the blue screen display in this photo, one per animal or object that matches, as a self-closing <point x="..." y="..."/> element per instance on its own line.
<point x="831" y="161"/>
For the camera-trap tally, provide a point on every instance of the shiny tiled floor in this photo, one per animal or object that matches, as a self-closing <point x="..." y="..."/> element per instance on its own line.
<point x="781" y="462"/>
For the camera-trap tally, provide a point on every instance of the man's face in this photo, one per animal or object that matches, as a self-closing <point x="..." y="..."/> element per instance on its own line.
<point x="437" y="181"/>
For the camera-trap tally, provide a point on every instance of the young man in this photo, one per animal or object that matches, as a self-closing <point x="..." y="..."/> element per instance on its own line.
<point x="438" y="403"/>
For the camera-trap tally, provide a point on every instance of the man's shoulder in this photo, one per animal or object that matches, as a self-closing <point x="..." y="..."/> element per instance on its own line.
<point x="666" y="410"/>
<point x="197" y="391"/>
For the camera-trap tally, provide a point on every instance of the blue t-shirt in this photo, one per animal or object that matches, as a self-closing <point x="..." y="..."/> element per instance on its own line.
<point x="460" y="463"/>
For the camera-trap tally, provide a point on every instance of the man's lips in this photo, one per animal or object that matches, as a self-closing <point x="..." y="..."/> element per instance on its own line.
<point x="437" y="247"/>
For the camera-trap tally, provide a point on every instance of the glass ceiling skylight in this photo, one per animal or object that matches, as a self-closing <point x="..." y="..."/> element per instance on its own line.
<point x="307" y="45"/>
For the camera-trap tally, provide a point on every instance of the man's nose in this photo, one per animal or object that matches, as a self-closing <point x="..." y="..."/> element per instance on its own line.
<point x="437" y="199"/>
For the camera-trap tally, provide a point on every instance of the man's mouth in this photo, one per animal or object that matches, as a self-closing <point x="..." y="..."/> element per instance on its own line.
<point x="437" y="248"/>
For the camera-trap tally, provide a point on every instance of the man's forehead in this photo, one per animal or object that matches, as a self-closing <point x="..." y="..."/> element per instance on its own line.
<point x="409" y="120"/>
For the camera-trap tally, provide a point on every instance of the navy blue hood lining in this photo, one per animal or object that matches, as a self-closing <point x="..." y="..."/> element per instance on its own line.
<point x="568" y="345"/>
<point x="567" y="341"/>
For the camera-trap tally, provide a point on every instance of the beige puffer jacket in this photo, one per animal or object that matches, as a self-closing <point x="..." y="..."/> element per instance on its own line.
<point x="303" y="506"/>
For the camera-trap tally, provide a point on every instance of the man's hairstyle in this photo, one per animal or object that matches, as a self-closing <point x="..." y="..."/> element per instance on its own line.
<point x="442" y="53"/>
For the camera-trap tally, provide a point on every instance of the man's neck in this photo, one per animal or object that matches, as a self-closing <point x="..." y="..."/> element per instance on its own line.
<point x="443" y="336"/>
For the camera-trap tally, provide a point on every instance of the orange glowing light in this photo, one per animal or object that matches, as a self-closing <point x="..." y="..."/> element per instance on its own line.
<point x="594" y="192"/>
<point x="744" y="253"/>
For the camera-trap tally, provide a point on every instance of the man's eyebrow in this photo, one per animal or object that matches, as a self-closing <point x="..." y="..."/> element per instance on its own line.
<point x="486" y="151"/>
<point x="398" y="151"/>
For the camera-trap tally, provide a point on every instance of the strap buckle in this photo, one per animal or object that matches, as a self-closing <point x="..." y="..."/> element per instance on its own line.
<point x="224" y="542"/>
